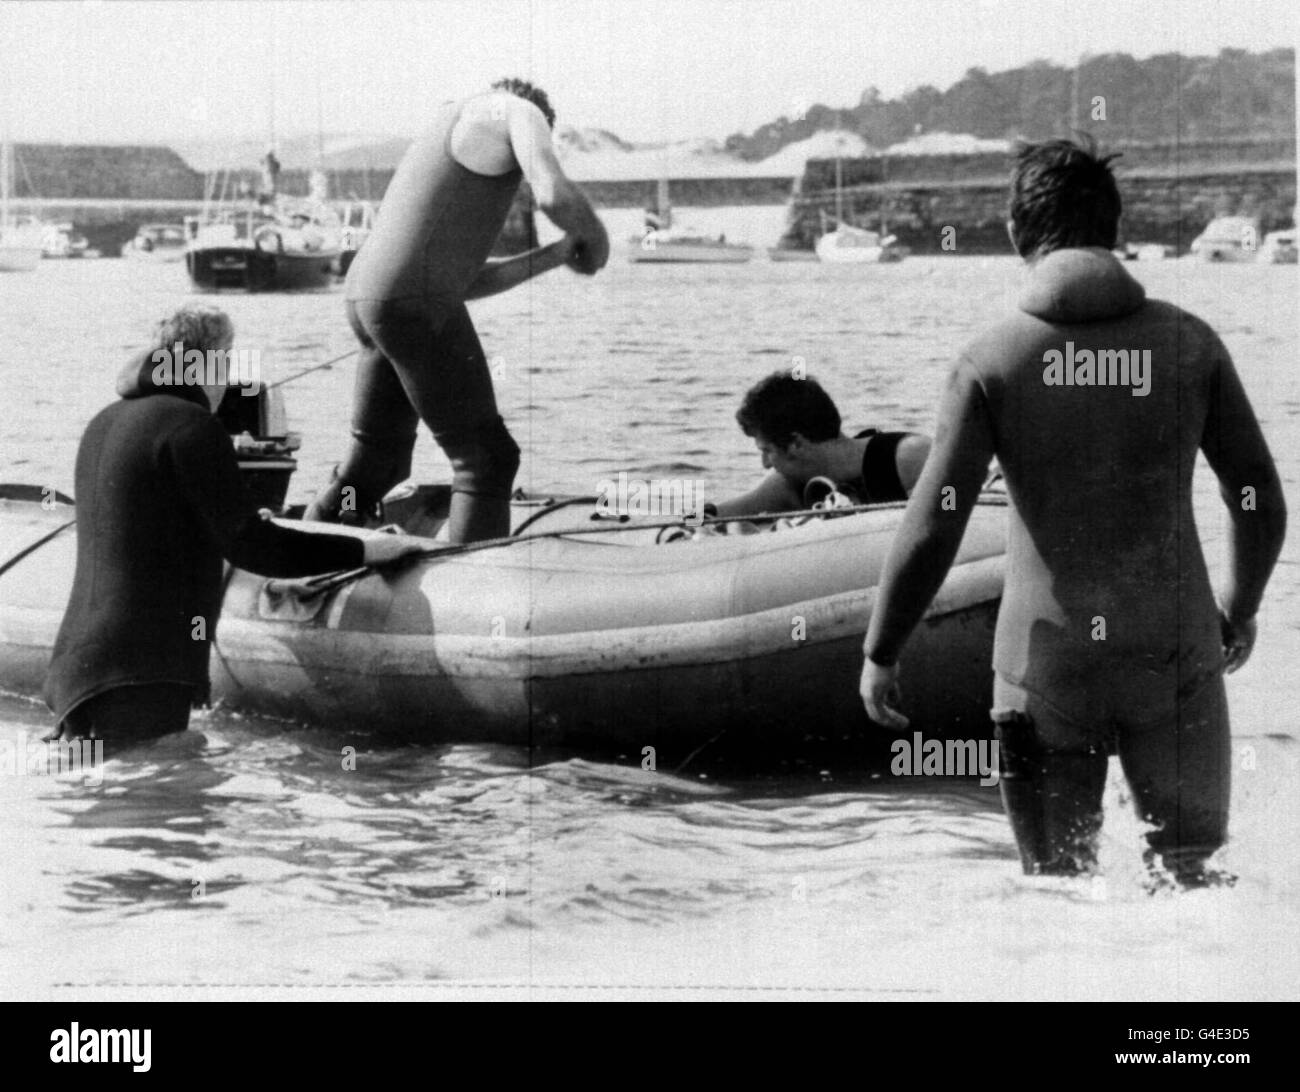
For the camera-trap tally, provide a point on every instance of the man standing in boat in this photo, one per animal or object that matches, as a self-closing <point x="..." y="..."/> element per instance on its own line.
<point x="797" y="429"/>
<point x="1095" y="401"/>
<point x="160" y="503"/>
<point x="406" y="291"/>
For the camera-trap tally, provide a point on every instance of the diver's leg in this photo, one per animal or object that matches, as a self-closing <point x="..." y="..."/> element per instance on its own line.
<point x="383" y="433"/>
<point x="1180" y="770"/>
<point x="444" y="372"/>
<point x="129" y="714"/>
<point x="1052" y="777"/>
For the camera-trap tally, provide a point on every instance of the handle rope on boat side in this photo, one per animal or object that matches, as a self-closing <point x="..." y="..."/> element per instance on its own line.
<point x="330" y="581"/>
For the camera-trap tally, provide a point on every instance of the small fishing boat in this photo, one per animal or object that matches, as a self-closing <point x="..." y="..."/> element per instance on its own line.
<point x="854" y="245"/>
<point x="63" y="240"/>
<point x="661" y="242"/>
<point x="358" y="220"/>
<point x="1280" y="248"/>
<point x="272" y="243"/>
<point x="846" y="244"/>
<point x="287" y="250"/>
<point x="791" y="254"/>
<point x="157" y="243"/>
<point x="1228" y="239"/>
<point x="585" y="628"/>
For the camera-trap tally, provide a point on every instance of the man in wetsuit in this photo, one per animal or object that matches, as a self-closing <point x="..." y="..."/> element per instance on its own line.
<point x="406" y="290"/>
<point x="1095" y="400"/>
<point x="159" y="504"/>
<point x="796" y="428"/>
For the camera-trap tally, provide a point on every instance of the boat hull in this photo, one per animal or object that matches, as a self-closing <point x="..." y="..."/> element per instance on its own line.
<point x="248" y="269"/>
<point x="828" y="251"/>
<point x="789" y="254"/>
<point x="567" y="642"/>
<point x="663" y="252"/>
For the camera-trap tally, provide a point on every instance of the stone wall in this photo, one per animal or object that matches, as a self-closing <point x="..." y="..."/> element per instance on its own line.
<point x="1170" y="193"/>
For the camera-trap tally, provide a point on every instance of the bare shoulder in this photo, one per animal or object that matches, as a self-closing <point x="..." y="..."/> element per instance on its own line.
<point x="481" y="139"/>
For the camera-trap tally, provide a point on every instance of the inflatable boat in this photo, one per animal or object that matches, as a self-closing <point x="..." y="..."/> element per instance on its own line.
<point x="580" y="630"/>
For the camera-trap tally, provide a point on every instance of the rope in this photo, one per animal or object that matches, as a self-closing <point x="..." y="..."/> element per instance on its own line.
<point x="34" y="546"/>
<point x="313" y="368"/>
<point x="329" y="581"/>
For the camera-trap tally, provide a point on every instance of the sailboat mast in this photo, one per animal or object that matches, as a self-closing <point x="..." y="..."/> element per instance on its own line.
<point x="6" y="171"/>
<point x="662" y="207"/>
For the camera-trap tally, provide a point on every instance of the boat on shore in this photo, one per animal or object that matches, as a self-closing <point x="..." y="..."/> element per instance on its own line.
<point x="157" y="243"/>
<point x="585" y="628"/>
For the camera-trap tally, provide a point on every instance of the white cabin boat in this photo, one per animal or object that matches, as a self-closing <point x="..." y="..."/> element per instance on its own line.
<point x="1228" y="239"/>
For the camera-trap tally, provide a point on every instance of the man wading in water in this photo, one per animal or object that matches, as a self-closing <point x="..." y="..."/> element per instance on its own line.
<point x="160" y="503"/>
<point x="1108" y="635"/>
<point x="406" y="290"/>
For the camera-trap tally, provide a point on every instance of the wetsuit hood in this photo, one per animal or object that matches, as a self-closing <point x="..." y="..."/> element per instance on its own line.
<point x="1080" y="285"/>
<point x="136" y="380"/>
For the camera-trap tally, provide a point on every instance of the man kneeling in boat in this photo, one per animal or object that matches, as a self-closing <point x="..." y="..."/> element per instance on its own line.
<point x="160" y="502"/>
<point x="797" y="430"/>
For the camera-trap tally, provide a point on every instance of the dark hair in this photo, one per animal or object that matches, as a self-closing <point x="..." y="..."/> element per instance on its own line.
<point x="781" y="405"/>
<point x="1063" y="194"/>
<point x="526" y="90"/>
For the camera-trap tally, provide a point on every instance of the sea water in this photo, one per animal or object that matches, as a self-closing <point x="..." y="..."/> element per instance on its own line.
<point x="244" y="856"/>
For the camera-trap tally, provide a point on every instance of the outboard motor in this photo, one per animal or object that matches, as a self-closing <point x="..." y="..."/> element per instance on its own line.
<point x="258" y="427"/>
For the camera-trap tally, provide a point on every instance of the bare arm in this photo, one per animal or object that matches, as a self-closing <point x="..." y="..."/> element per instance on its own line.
<point x="909" y="460"/>
<point x="772" y="494"/>
<point x="1249" y="485"/>
<point x="936" y="517"/>
<point x="563" y="203"/>
<point x="932" y="530"/>
<point x="502" y="275"/>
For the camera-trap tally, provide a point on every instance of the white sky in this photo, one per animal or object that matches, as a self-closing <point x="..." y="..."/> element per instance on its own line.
<point x="645" y="69"/>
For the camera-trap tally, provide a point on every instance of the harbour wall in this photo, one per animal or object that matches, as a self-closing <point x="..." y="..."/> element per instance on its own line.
<point x="1171" y="191"/>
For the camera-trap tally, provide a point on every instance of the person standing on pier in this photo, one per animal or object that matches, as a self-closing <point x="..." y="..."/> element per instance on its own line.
<point x="406" y="291"/>
<point x="1095" y="401"/>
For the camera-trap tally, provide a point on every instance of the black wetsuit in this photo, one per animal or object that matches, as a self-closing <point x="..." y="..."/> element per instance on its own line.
<point x="421" y="358"/>
<point x="159" y="504"/>
<point x="879" y="481"/>
<point x="1108" y="635"/>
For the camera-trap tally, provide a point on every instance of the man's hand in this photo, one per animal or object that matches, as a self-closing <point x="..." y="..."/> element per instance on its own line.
<point x="879" y="691"/>
<point x="589" y="252"/>
<point x="383" y="549"/>
<point x="1238" y="642"/>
